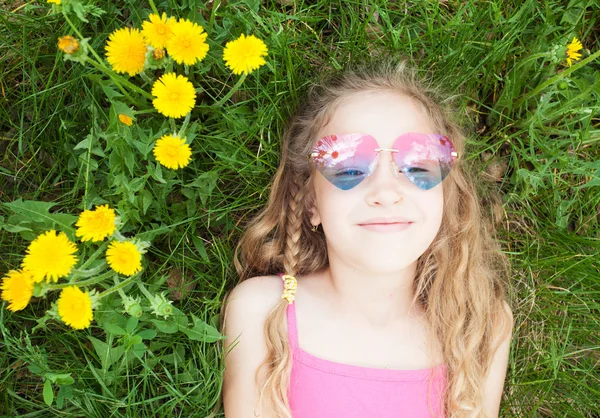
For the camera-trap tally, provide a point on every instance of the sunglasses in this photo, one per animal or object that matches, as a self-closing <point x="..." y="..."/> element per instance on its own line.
<point x="345" y="160"/>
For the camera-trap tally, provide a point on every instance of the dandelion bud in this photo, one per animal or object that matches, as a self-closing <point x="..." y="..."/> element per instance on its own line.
<point x="125" y="119"/>
<point x="159" y="53"/>
<point x="68" y="44"/>
<point x="161" y="306"/>
<point x="563" y="85"/>
<point x="557" y="52"/>
<point x="133" y="306"/>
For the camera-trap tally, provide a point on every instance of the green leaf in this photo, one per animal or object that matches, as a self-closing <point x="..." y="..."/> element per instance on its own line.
<point x="177" y="356"/>
<point x="204" y="184"/>
<point x="201" y="331"/>
<point x="132" y="324"/>
<point x="168" y="327"/>
<point x="111" y="317"/>
<point x="156" y="172"/>
<point x="32" y="212"/>
<point x="147" y="334"/>
<point x="135" y="339"/>
<point x="199" y="245"/>
<point x="146" y="197"/>
<point x="64" y="392"/>
<point x="60" y="379"/>
<point x="122" y="108"/>
<point x="114" y="329"/>
<point x="107" y="354"/>
<point x="139" y="350"/>
<point x="34" y="369"/>
<point x="48" y="393"/>
<point x="16" y="228"/>
<point x="86" y="143"/>
<point x="179" y="318"/>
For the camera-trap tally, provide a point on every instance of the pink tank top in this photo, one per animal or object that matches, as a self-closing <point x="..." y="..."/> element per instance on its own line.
<point x="322" y="388"/>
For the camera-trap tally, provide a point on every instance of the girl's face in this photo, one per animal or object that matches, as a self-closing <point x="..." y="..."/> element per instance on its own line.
<point x="343" y="213"/>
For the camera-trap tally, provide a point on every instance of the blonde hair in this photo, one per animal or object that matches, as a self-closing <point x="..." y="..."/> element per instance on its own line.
<point x="461" y="279"/>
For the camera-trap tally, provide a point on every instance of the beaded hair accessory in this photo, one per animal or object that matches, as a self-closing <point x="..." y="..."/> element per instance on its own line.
<point x="290" y="288"/>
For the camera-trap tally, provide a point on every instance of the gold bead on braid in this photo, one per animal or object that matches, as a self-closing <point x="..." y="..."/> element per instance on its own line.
<point x="290" y="288"/>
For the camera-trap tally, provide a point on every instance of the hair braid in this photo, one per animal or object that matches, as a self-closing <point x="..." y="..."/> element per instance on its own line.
<point x="293" y="230"/>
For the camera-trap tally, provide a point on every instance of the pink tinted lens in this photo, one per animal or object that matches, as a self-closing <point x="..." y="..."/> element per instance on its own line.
<point x="426" y="159"/>
<point x="345" y="160"/>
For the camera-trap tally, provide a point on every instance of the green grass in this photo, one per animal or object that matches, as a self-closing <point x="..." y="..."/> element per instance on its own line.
<point x="544" y="154"/>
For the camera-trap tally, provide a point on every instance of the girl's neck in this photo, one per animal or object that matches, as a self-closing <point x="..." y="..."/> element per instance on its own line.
<point x="377" y="299"/>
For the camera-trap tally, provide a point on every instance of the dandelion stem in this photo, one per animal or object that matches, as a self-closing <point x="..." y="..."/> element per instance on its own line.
<point x="118" y="79"/>
<point x="78" y="273"/>
<point x="213" y="11"/>
<point x="141" y="112"/>
<point x="121" y="293"/>
<point x="558" y="77"/>
<point x="88" y="282"/>
<point x="94" y="256"/>
<point x="153" y="7"/>
<point x="145" y="291"/>
<point x="119" y="286"/>
<point x="233" y="90"/>
<point x="185" y="124"/>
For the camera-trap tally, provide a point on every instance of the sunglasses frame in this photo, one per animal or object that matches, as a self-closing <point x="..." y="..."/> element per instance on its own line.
<point x="453" y="152"/>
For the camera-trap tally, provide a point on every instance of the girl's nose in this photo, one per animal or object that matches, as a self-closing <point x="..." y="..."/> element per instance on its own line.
<point x="387" y="162"/>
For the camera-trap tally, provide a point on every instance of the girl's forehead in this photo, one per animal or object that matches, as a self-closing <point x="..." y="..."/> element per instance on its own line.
<point x="385" y="115"/>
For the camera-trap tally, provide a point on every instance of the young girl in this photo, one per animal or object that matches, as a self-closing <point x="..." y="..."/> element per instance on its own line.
<point x="371" y="284"/>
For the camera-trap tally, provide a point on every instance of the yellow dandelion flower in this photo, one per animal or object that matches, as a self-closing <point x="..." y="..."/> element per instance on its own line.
<point x="75" y="307"/>
<point x="125" y="119"/>
<point x="124" y="257"/>
<point x="188" y="43"/>
<point x="172" y="151"/>
<point x="97" y="224"/>
<point x="126" y="51"/>
<point x="53" y="1"/>
<point x="572" y="48"/>
<point x="244" y="54"/>
<point x="68" y="44"/>
<point x="50" y="256"/>
<point x="158" y="30"/>
<point x="17" y="288"/>
<point x="175" y="95"/>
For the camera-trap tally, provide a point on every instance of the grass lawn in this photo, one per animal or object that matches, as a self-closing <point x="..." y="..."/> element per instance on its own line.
<point x="534" y="135"/>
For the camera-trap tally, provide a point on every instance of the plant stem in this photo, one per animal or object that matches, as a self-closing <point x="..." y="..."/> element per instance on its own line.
<point x="119" y="286"/>
<point x="118" y="79"/>
<point x="233" y="90"/>
<point x="94" y="256"/>
<point x="153" y="7"/>
<point x="141" y="112"/>
<point x="185" y="124"/>
<point x="78" y="273"/>
<point x="145" y="291"/>
<point x="87" y="282"/>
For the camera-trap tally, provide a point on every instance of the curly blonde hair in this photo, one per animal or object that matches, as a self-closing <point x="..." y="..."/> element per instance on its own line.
<point x="461" y="279"/>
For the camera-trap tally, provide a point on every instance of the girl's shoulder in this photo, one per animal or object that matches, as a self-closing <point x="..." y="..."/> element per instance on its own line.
<point x="258" y="293"/>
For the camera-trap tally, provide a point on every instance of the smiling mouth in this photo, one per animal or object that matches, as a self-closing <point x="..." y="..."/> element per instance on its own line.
<point x="386" y="227"/>
<point x="385" y="223"/>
